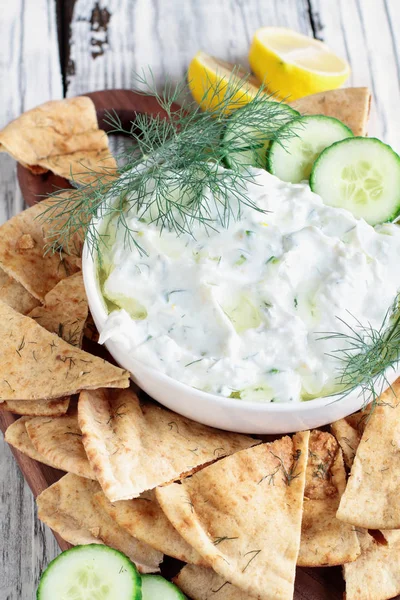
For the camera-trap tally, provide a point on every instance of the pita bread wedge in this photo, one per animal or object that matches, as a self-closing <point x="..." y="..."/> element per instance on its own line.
<point x="59" y="441"/>
<point x="69" y="509"/>
<point x="65" y="310"/>
<point x="60" y="124"/>
<point x="375" y="575"/>
<point x="134" y="447"/>
<point x="22" y="252"/>
<point x="243" y="515"/>
<point x="57" y="136"/>
<point x="15" y="295"/>
<point x="348" y="432"/>
<point x="17" y="435"/>
<point x="37" y="408"/>
<point x="200" y="583"/>
<point x="371" y="498"/>
<point x="325" y="541"/>
<point x="349" y="105"/>
<point x="84" y="166"/>
<point x="36" y="364"/>
<point x="144" y="519"/>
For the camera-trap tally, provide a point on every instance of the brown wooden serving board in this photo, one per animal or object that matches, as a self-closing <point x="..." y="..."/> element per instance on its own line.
<point x="311" y="584"/>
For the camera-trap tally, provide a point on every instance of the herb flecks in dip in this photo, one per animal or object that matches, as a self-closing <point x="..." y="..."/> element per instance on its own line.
<point x="239" y="311"/>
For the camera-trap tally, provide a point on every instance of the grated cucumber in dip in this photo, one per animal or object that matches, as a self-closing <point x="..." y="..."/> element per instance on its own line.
<point x="240" y="311"/>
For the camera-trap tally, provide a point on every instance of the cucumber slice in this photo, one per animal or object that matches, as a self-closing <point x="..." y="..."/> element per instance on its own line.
<point x="362" y="175"/>
<point x="250" y="141"/>
<point x="299" y="144"/>
<point x="92" y="572"/>
<point x="155" y="587"/>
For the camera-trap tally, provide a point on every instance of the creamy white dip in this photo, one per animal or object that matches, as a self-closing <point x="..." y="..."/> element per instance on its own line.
<point x="239" y="312"/>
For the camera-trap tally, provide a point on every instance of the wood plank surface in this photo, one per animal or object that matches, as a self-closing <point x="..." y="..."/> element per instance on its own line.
<point x="106" y="42"/>
<point x="29" y="75"/>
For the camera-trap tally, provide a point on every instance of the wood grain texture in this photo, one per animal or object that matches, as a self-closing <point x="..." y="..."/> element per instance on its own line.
<point x="108" y="47"/>
<point x="29" y="74"/>
<point x="111" y="39"/>
<point x="367" y="34"/>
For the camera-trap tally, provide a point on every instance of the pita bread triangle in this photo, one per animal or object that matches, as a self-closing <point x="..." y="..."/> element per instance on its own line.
<point x="202" y="583"/>
<point x="62" y="136"/>
<point x="325" y="541"/>
<point x="68" y="508"/>
<point x="65" y="310"/>
<point x="59" y="441"/>
<point x="348" y="432"/>
<point x="133" y="446"/>
<point x="376" y="467"/>
<point x="17" y="435"/>
<point x="144" y="519"/>
<point x="15" y="295"/>
<point x="23" y="242"/>
<point x="37" y="408"/>
<point x="243" y="515"/>
<point x="36" y="364"/>
<point x="375" y="575"/>
<point x="349" y="105"/>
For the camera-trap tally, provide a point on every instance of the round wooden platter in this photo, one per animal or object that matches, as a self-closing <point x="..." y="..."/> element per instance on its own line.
<point x="311" y="584"/>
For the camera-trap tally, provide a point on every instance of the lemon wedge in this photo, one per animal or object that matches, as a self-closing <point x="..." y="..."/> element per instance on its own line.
<point x="294" y="65"/>
<point x="208" y="79"/>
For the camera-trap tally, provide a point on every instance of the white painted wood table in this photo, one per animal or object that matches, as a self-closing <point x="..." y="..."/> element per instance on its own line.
<point x="55" y="48"/>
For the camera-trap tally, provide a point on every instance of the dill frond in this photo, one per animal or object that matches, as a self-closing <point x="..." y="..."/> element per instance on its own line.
<point x="288" y="475"/>
<point x="174" y="173"/>
<point x="367" y="354"/>
<point x="224" y="538"/>
<point x="253" y="554"/>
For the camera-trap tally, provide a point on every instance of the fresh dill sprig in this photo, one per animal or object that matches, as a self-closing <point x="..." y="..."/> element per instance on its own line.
<point x="173" y="173"/>
<point x="367" y="354"/>
<point x="253" y="554"/>
<point x="224" y="538"/>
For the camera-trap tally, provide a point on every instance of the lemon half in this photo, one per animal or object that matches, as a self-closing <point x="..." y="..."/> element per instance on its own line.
<point x="208" y="80"/>
<point x="294" y="65"/>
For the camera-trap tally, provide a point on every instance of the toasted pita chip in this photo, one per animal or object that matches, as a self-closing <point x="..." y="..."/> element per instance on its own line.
<point x="83" y="166"/>
<point x="59" y="122"/>
<point x="37" y="408"/>
<point x="36" y="364"/>
<point x="133" y="448"/>
<point x="22" y="251"/>
<point x="69" y="509"/>
<point x="200" y="583"/>
<point x="17" y="435"/>
<point x="243" y="515"/>
<point x="58" y="136"/>
<point x="375" y="575"/>
<point x="59" y="441"/>
<point x="325" y="541"/>
<point x="348" y="432"/>
<point x="349" y="105"/>
<point x="371" y="498"/>
<point x="15" y="295"/>
<point x="65" y="310"/>
<point x="144" y="519"/>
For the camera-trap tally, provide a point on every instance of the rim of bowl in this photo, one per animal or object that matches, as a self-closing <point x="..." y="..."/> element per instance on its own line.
<point x="96" y="305"/>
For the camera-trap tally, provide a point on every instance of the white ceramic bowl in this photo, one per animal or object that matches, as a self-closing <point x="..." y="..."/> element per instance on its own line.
<point x="210" y="409"/>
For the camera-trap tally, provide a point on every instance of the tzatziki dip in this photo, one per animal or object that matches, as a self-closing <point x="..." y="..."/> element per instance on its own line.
<point x="245" y="311"/>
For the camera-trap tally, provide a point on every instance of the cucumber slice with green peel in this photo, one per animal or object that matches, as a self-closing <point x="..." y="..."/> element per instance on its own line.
<point x="249" y="142"/>
<point x="362" y="175"/>
<point x="300" y="142"/>
<point x="92" y="572"/>
<point x="155" y="587"/>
